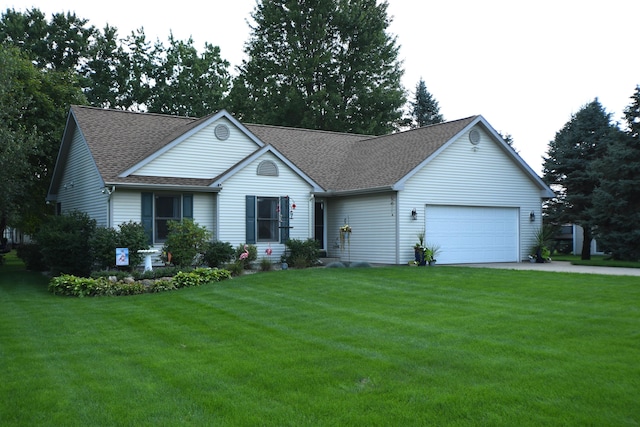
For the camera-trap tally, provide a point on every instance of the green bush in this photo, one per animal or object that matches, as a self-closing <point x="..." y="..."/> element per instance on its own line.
<point x="132" y="235"/>
<point x="71" y="285"/>
<point x="218" y="253"/>
<point x="185" y="241"/>
<point x="302" y="254"/>
<point x="30" y="254"/>
<point x="65" y="245"/>
<point x="253" y="255"/>
<point x="104" y="242"/>
<point x="265" y="264"/>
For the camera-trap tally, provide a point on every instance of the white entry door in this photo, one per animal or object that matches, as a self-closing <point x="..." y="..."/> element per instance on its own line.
<point x="472" y="234"/>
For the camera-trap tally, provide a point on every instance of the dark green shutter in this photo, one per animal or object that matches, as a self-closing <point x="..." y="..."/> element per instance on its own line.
<point x="187" y="206"/>
<point x="147" y="215"/>
<point x="251" y="219"/>
<point x="284" y="224"/>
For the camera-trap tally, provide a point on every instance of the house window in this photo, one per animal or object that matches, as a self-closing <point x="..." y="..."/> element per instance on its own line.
<point x="267" y="220"/>
<point x="167" y="209"/>
<point x="160" y="208"/>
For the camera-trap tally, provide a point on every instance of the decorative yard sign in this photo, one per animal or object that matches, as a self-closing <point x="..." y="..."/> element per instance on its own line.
<point x="122" y="256"/>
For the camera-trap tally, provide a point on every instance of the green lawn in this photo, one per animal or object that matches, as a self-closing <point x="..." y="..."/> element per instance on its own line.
<point x="596" y="260"/>
<point x="395" y="346"/>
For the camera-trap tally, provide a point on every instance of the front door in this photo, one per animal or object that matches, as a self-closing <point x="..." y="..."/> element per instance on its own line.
<point x="318" y="229"/>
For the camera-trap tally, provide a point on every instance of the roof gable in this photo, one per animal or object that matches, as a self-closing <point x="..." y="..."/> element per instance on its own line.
<point x="123" y="142"/>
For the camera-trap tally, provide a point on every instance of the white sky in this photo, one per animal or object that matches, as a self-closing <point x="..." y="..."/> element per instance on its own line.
<point x="525" y="66"/>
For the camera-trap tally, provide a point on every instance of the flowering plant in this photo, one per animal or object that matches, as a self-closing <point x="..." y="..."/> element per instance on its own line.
<point x="345" y="228"/>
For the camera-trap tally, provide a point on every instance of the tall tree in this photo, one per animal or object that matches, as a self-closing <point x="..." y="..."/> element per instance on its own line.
<point x="424" y="107"/>
<point x="616" y="200"/>
<point x="568" y="167"/>
<point x="17" y="143"/>
<point x="59" y="44"/>
<point x="188" y="83"/>
<point x="321" y="64"/>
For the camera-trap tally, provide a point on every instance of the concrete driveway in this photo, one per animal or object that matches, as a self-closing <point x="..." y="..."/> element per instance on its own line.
<point x="559" y="266"/>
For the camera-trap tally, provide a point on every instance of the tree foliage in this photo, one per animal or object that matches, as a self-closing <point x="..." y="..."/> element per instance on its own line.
<point x="325" y="64"/>
<point x="569" y="167"/>
<point x="424" y="108"/>
<point x="188" y="83"/>
<point x="616" y="199"/>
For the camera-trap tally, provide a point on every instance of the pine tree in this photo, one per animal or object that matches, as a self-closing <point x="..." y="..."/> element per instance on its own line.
<point x="616" y="200"/>
<point x="424" y="109"/>
<point x="568" y="167"/>
<point x="321" y="64"/>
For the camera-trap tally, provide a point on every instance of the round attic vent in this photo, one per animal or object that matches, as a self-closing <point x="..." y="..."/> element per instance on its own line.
<point x="474" y="137"/>
<point x="222" y="132"/>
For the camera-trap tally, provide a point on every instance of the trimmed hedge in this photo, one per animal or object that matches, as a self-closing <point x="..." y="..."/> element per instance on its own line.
<point x="71" y="285"/>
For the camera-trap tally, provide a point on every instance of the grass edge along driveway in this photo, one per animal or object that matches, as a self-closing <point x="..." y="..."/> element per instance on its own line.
<point x="380" y="346"/>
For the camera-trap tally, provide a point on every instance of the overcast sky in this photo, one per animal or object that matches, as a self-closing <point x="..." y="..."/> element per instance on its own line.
<point x="525" y="66"/>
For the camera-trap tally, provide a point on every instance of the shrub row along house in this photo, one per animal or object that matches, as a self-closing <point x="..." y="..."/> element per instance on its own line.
<point x="458" y="181"/>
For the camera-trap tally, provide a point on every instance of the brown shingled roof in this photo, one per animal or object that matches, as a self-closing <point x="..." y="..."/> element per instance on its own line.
<point x="336" y="161"/>
<point x="119" y="139"/>
<point x="339" y="161"/>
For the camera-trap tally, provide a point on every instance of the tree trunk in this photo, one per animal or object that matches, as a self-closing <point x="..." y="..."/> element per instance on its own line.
<point x="586" y="243"/>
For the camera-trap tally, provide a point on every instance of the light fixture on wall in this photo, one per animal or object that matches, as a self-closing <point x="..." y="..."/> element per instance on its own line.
<point x="414" y="214"/>
<point x="532" y="216"/>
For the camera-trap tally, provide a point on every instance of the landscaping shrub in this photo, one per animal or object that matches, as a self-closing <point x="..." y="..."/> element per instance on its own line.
<point x="252" y="255"/>
<point x="132" y="235"/>
<point x="30" y="254"/>
<point x="265" y="264"/>
<point x="104" y="242"/>
<point x="64" y="242"/>
<point x="185" y="241"/>
<point x="302" y="254"/>
<point x="218" y="253"/>
<point x="71" y="285"/>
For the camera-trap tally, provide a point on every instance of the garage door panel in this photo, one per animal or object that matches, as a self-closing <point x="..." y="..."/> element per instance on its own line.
<point x="470" y="234"/>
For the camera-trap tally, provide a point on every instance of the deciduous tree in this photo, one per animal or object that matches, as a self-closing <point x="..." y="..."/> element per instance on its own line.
<point x="323" y="64"/>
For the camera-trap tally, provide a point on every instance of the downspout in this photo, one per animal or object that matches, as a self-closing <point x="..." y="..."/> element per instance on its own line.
<point x="397" y="232"/>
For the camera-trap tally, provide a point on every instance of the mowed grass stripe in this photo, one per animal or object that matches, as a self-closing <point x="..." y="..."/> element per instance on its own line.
<point x="382" y="346"/>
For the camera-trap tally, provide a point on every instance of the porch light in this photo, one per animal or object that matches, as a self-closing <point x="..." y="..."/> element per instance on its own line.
<point x="532" y="216"/>
<point x="414" y="214"/>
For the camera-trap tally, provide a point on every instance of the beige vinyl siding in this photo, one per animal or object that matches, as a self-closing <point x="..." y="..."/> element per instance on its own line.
<point x="81" y="185"/>
<point x="373" y="222"/>
<point x="232" y="200"/>
<point x="125" y="206"/>
<point x="462" y="176"/>
<point x="201" y="155"/>
<point x="204" y="211"/>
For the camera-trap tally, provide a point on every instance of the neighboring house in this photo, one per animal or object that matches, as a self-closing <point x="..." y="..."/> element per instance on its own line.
<point x="458" y="181"/>
<point x="570" y="237"/>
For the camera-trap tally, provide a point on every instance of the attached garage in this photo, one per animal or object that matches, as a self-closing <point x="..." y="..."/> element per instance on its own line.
<point x="473" y="234"/>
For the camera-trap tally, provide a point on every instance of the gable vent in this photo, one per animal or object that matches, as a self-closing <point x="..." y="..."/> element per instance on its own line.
<point x="474" y="137"/>
<point x="267" y="168"/>
<point x="222" y="132"/>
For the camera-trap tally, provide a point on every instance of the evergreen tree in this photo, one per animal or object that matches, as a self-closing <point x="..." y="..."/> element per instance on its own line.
<point x="321" y="64"/>
<point x="424" y="108"/>
<point x="616" y="200"/>
<point x="568" y="167"/>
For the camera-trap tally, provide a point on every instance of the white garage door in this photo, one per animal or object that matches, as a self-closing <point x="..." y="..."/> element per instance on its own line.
<point x="470" y="234"/>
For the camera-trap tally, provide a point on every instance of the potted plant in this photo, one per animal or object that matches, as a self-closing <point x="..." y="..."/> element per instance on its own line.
<point x="418" y="250"/>
<point x="540" y="252"/>
<point x="431" y="251"/>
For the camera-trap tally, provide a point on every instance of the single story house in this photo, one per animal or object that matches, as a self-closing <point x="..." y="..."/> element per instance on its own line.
<point x="458" y="181"/>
